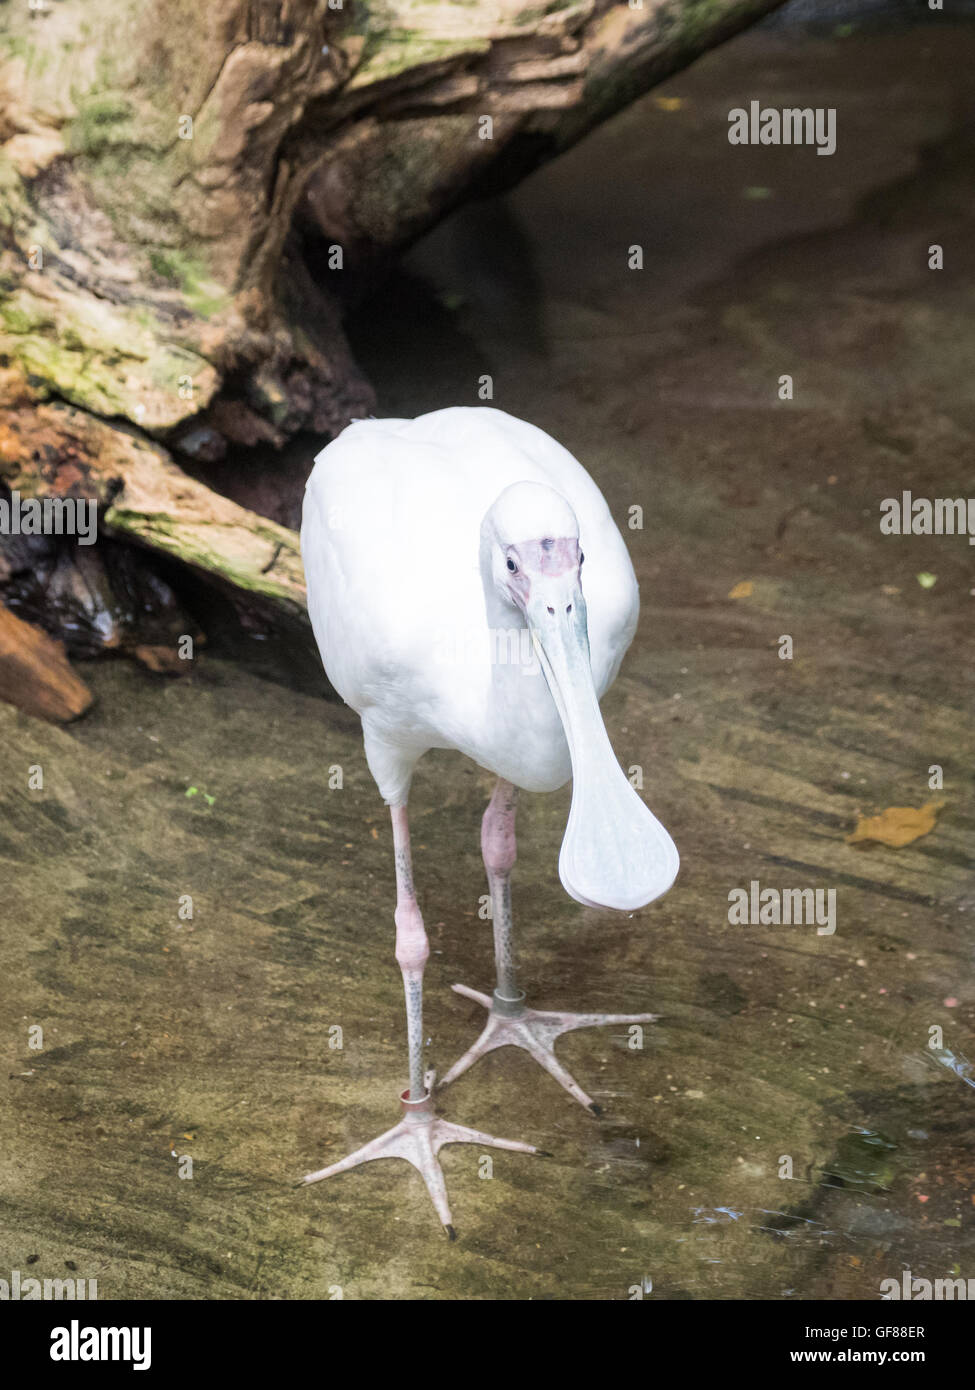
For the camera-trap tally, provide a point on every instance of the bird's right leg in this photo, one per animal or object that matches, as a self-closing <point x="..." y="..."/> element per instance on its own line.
<point x="510" y="1023"/>
<point x="421" y="1133"/>
<point x="412" y="948"/>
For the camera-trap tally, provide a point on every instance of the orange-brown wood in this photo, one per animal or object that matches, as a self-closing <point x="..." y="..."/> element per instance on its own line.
<point x="35" y="674"/>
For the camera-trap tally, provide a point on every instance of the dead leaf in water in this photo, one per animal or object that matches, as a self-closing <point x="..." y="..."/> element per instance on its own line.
<point x="743" y="590"/>
<point x="896" y="826"/>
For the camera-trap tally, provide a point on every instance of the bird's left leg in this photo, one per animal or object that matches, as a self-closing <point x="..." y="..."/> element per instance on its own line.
<point x="510" y="1023"/>
<point x="421" y="1133"/>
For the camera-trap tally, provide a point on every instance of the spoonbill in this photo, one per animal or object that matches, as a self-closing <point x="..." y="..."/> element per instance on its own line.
<point x="432" y="547"/>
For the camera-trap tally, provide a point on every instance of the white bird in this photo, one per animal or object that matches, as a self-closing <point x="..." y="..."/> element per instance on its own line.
<point x="469" y="589"/>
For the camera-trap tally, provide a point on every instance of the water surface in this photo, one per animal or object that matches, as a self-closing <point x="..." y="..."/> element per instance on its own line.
<point x="780" y="1051"/>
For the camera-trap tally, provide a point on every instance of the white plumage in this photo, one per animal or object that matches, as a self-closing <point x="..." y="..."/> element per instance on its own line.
<point x="391" y="539"/>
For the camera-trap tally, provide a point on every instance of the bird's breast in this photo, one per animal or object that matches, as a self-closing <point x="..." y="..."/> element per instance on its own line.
<point x="526" y="743"/>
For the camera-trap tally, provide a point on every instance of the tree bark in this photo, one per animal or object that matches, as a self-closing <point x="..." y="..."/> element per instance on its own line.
<point x="162" y="166"/>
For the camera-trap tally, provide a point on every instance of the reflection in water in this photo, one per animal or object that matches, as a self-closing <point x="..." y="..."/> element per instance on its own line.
<point x="961" y="1067"/>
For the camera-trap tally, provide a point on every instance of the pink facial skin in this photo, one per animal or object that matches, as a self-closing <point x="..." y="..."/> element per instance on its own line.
<point x="548" y="557"/>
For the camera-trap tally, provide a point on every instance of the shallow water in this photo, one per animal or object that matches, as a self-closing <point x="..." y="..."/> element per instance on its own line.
<point x="211" y="1037"/>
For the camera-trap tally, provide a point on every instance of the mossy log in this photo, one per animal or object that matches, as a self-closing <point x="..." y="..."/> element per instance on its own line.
<point x="162" y="166"/>
<point x="55" y="449"/>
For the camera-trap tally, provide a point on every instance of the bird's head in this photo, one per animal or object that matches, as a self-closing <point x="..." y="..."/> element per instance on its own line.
<point x="533" y="539"/>
<point x="615" y="852"/>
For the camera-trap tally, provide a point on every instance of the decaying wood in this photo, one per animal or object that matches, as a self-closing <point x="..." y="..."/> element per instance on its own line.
<point x="162" y="166"/>
<point x="35" y="674"/>
<point x="54" y="448"/>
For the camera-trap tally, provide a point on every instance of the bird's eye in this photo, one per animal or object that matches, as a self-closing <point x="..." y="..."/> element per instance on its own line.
<point x="512" y="567"/>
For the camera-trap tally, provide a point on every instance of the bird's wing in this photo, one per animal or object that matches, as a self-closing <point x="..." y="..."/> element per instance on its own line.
<point x="390" y="545"/>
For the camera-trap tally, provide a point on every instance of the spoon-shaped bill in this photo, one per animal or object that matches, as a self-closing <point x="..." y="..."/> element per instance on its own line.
<point x="615" y="852"/>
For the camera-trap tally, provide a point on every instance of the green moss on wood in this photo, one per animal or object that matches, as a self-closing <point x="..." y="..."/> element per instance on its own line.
<point x="397" y="50"/>
<point x="101" y="121"/>
<point x="216" y="548"/>
<point x="100" y="357"/>
<point x="190" y="275"/>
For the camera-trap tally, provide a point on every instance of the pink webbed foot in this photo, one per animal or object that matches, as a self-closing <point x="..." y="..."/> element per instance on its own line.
<point x="510" y="1024"/>
<point x="418" y="1138"/>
